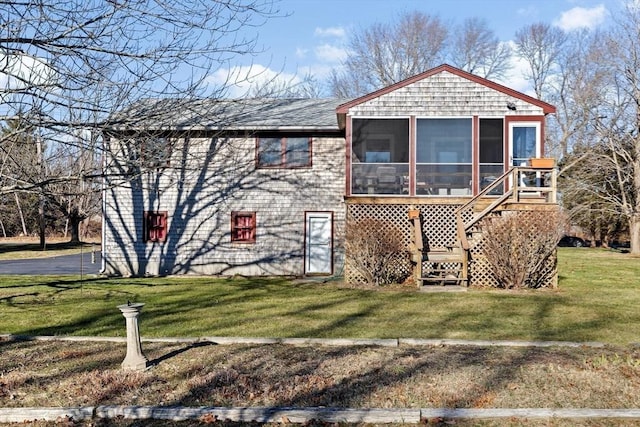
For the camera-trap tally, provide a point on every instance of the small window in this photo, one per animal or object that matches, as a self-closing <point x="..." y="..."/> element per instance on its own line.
<point x="243" y="227"/>
<point x="284" y="152"/>
<point x="155" y="152"/>
<point x="155" y="226"/>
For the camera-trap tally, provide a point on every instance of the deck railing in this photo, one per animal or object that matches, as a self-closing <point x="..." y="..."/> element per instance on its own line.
<point x="520" y="182"/>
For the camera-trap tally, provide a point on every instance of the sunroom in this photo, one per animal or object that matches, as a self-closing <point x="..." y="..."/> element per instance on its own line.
<point x="421" y="156"/>
<point x="436" y="156"/>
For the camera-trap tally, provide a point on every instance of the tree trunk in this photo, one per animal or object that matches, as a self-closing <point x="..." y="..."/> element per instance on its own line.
<point x="24" y="225"/>
<point x="74" y="228"/>
<point x="634" y="233"/>
<point x="43" y="243"/>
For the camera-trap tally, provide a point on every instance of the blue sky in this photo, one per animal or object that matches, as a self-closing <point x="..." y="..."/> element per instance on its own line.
<point x="311" y="36"/>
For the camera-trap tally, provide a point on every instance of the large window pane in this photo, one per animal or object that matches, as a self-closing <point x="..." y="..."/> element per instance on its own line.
<point x="444" y="141"/>
<point x="491" y="141"/>
<point x="380" y="156"/>
<point x="443" y="154"/>
<point x="491" y="153"/>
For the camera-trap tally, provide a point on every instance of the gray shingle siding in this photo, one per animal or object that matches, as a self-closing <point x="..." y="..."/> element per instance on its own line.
<point x="444" y="94"/>
<point x="200" y="197"/>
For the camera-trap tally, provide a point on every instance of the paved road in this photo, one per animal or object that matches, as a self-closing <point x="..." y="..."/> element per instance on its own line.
<point x="66" y="264"/>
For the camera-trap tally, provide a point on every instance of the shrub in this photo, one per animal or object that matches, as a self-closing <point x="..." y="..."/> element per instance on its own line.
<point x="520" y="246"/>
<point x="376" y="252"/>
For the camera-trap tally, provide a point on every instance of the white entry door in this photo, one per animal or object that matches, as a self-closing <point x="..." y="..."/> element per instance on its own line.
<point x="319" y="243"/>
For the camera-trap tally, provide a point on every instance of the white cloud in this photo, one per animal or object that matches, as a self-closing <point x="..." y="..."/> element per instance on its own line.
<point x="515" y="78"/>
<point x="25" y="70"/>
<point x="580" y="17"/>
<point x="301" y="52"/>
<point x="330" y="32"/>
<point x="238" y="81"/>
<point x="330" y="53"/>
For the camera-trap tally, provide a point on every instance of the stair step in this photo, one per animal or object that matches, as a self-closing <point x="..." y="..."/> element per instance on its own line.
<point x="443" y="259"/>
<point x="443" y="270"/>
<point x="443" y="280"/>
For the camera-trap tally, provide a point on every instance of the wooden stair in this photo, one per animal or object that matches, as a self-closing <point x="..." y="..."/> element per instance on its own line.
<point x="443" y="266"/>
<point x="450" y="265"/>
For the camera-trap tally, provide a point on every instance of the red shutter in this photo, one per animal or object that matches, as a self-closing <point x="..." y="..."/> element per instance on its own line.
<point x="243" y="227"/>
<point x="155" y="226"/>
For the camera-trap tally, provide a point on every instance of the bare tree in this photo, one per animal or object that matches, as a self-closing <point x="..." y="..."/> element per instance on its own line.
<point x="67" y="66"/>
<point x="620" y="118"/>
<point x="613" y="186"/>
<point x="589" y="194"/>
<point x="306" y="87"/>
<point x="17" y="163"/>
<point x="478" y="50"/>
<point x="74" y="199"/>
<point x="577" y="87"/>
<point x="388" y="53"/>
<point x="540" y="45"/>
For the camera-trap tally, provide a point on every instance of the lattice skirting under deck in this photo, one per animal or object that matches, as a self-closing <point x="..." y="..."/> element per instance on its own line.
<point x="439" y="230"/>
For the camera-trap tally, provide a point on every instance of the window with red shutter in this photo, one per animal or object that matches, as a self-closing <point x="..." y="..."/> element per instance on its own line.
<point x="155" y="226"/>
<point x="243" y="227"/>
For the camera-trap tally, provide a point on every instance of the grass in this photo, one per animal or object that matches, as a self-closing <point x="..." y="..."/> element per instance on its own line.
<point x="597" y="300"/>
<point x="87" y="374"/>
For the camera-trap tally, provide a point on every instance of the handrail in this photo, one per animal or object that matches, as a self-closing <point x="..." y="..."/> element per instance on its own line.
<point x="484" y="191"/>
<point x="514" y="191"/>
<point x="461" y="227"/>
<point x="499" y="201"/>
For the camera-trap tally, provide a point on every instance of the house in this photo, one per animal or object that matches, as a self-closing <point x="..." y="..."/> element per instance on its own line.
<point x="269" y="186"/>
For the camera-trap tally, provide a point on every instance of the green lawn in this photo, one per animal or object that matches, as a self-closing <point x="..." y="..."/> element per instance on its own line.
<point x="597" y="300"/>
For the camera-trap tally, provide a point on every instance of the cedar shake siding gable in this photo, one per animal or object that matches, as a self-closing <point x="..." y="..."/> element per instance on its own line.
<point x="444" y="91"/>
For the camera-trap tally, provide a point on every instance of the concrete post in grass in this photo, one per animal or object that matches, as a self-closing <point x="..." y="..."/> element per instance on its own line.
<point x="134" y="359"/>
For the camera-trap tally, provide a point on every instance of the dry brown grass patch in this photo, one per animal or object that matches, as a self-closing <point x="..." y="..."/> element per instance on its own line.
<point x="82" y="374"/>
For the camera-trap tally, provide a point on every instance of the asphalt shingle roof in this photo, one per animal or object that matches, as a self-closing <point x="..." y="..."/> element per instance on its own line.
<point x="241" y="114"/>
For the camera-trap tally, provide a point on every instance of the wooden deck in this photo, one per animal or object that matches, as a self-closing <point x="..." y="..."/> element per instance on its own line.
<point x="442" y="233"/>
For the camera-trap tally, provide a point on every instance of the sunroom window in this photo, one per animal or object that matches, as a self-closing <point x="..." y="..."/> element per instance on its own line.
<point x="380" y="156"/>
<point x="443" y="157"/>
<point x="491" y="153"/>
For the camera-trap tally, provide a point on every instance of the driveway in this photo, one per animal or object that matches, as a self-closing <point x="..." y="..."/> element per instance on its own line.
<point x="65" y="264"/>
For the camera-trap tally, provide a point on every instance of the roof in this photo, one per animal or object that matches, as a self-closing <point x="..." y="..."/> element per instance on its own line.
<point x="238" y="114"/>
<point x="269" y="114"/>
<point x="547" y="108"/>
